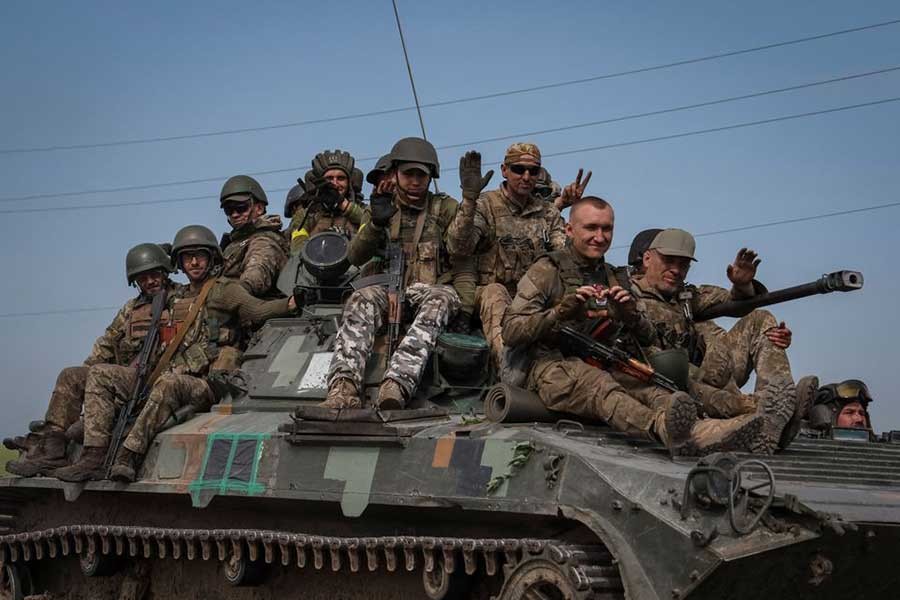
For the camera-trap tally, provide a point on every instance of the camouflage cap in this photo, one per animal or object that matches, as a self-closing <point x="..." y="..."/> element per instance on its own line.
<point x="521" y="150"/>
<point x="674" y="242"/>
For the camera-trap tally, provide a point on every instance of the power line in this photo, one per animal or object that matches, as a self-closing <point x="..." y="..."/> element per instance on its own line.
<point x="621" y="118"/>
<point x="368" y="114"/>
<point x="546" y="154"/>
<point x="828" y="215"/>
<point x="412" y="81"/>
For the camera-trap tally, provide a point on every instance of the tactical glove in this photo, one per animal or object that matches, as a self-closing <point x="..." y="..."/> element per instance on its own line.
<point x="570" y="307"/>
<point x="328" y="197"/>
<point x="470" y="178"/>
<point x="382" y="209"/>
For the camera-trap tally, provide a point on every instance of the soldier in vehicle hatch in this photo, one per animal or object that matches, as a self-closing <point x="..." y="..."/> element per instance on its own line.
<point x="723" y="360"/>
<point x="330" y="202"/>
<point x="147" y="266"/>
<point x="844" y="405"/>
<point x="206" y="320"/>
<point x="507" y="229"/>
<point x="555" y="292"/>
<point x="255" y="250"/>
<point x="404" y="213"/>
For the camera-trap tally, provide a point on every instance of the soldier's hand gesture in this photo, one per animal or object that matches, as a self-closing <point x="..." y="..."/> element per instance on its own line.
<point x="621" y="303"/>
<point x="572" y="305"/>
<point x="780" y="336"/>
<point x="743" y="270"/>
<point x="382" y="208"/>
<point x="470" y="179"/>
<point x="573" y="192"/>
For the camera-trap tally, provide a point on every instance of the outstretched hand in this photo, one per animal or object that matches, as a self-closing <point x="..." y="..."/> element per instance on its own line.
<point x="573" y="192"/>
<point x="470" y="178"/>
<point x="743" y="270"/>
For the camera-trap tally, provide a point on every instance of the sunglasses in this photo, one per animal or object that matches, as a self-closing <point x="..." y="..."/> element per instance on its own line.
<point x="520" y="169"/>
<point x="237" y="207"/>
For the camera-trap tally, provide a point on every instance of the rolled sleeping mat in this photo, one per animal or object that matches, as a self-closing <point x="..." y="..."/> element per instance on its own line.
<point x="506" y="403"/>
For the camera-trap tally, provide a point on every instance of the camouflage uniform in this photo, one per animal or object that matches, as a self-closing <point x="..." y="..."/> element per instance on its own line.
<point x="721" y="359"/>
<point x="506" y="238"/>
<point x="315" y="220"/>
<point x="428" y="277"/>
<point x="255" y="254"/>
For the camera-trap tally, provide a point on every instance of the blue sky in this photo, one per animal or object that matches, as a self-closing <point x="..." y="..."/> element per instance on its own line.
<point x="103" y="71"/>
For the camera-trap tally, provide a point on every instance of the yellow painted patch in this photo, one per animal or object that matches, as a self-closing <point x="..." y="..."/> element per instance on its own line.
<point x="443" y="450"/>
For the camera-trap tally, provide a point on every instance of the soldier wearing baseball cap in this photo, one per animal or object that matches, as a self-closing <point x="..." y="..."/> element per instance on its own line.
<point x="722" y="360"/>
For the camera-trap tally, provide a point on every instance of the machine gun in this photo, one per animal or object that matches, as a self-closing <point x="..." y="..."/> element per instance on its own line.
<point x="396" y="292"/>
<point x="142" y="384"/>
<point x="839" y="281"/>
<point x="598" y="354"/>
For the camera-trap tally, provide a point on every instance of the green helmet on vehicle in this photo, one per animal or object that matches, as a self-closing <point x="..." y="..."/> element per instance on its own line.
<point x="196" y="236"/>
<point x="242" y="185"/>
<point x="416" y="150"/>
<point x="146" y="257"/>
<point x="333" y="159"/>
<point x="381" y="167"/>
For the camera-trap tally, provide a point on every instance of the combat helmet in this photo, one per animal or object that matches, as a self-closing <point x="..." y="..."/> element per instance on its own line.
<point x="146" y="257"/>
<point x="196" y="236"/>
<point x="242" y="185"/>
<point x="413" y="149"/>
<point x="293" y="197"/>
<point x="356" y="180"/>
<point x="333" y="159"/>
<point x="831" y="399"/>
<point x="639" y="245"/>
<point x="381" y="167"/>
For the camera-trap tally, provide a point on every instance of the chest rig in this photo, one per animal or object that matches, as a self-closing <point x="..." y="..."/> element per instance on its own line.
<point x="212" y="330"/>
<point x="682" y="334"/>
<point x="520" y="237"/>
<point x="421" y="235"/>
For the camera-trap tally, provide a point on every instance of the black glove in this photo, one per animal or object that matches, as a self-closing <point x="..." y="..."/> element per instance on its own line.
<point x="382" y="208"/>
<point x="329" y="197"/>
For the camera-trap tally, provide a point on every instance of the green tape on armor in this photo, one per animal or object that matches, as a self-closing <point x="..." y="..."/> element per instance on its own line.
<point x="497" y="455"/>
<point x="226" y="483"/>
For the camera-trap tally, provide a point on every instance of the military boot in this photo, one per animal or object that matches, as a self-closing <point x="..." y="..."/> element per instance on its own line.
<point x="806" y="394"/>
<point x="390" y="396"/>
<point x="777" y="405"/>
<point x="48" y="454"/>
<point x="89" y="466"/>
<point x="124" y="468"/>
<point x="738" y="434"/>
<point x="342" y="394"/>
<point x="674" y="425"/>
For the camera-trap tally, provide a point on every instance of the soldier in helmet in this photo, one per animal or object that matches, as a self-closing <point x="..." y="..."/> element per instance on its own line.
<point x="723" y="361"/>
<point x="546" y="188"/>
<point x="507" y="229"/>
<point x="381" y="170"/>
<point x="844" y="405"/>
<point x="331" y="200"/>
<point x="147" y="266"/>
<point x="555" y="292"/>
<point x="207" y="319"/>
<point x="403" y="212"/>
<point x="255" y="250"/>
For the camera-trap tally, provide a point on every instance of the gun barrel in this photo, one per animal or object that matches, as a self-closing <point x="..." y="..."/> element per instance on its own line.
<point x="839" y="281"/>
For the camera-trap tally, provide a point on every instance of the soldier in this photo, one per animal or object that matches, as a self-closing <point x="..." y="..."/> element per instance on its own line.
<point x="844" y="405"/>
<point x="379" y="171"/>
<point x="555" y="292"/>
<point x="757" y="342"/>
<point x="148" y="267"/>
<point x="255" y="250"/>
<point x="331" y="200"/>
<point x="546" y="188"/>
<point x="506" y="228"/>
<point x="418" y="220"/>
<point x="207" y="321"/>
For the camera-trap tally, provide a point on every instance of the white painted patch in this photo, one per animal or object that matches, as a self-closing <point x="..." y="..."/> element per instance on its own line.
<point x="316" y="376"/>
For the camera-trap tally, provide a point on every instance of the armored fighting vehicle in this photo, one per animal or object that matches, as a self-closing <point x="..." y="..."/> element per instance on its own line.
<point x="270" y="496"/>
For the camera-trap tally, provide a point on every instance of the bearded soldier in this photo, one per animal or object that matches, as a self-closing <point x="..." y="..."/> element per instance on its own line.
<point x="147" y="266"/>
<point x="417" y="220"/>
<point x="207" y="322"/>
<point x="255" y="250"/>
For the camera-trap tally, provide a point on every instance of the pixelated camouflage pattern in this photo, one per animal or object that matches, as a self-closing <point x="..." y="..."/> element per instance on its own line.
<point x="169" y="393"/>
<point x="255" y="254"/>
<point x="107" y="389"/>
<point x="492" y="301"/>
<point x="67" y="397"/>
<point x="366" y="312"/>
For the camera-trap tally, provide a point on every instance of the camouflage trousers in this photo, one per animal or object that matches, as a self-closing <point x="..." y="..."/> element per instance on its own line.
<point x="731" y="357"/>
<point x="106" y="391"/>
<point x="570" y="385"/>
<point x="169" y="393"/>
<point x="67" y="397"/>
<point x="492" y="300"/>
<point x="366" y="312"/>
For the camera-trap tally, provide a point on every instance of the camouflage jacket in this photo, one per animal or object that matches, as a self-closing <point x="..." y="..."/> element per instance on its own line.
<point x="121" y="342"/>
<point x="531" y="320"/>
<point x="309" y="220"/>
<point x="672" y="318"/>
<point x="430" y="261"/>
<point x="255" y="254"/>
<point x="213" y="340"/>
<point x="505" y="237"/>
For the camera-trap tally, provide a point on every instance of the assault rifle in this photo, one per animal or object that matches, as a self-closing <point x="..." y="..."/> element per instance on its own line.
<point x="839" y="281"/>
<point x="396" y="292"/>
<point x="598" y="354"/>
<point x="144" y="366"/>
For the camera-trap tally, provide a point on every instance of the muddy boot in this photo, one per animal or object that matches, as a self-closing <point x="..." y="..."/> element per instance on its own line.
<point x="738" y="434"/>
<point x="48" y="454"/>
<point x="390" y="396"/>
<point x="806" y="394"/>
<point x="777" y="404"/>
<point x="88" y="468"/>
<point x="673" y="426"/>
<point x="125" y="466"/>
<point x="342" y="394"/>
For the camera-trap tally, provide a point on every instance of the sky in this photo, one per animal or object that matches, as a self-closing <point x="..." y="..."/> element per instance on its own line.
<point x="97" y="72"/>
